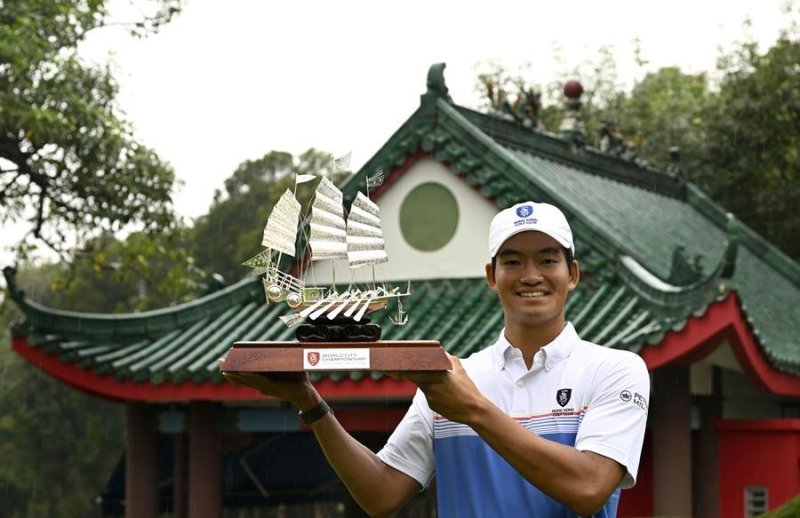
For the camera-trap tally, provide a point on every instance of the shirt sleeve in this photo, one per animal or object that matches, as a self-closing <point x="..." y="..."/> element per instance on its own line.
<point x="615" y="420"/>
<point x="410" y="447"/>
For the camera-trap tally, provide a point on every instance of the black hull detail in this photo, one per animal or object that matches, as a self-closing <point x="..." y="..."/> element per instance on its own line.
<point x="338" y="330"/>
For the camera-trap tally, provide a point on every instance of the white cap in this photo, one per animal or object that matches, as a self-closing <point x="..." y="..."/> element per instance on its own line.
<point x="540" y="217"/>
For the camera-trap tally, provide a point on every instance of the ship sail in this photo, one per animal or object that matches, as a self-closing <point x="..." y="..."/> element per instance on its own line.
<point x="328" y="239"/>
<point x="364" y="235"/>
<point x="280" y="232"/>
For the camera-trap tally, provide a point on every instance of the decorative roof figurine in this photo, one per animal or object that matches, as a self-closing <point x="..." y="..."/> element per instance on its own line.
<point x="572" y="127"/>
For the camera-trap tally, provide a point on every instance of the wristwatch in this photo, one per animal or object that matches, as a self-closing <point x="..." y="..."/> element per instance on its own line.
<point x="316" y="413"/>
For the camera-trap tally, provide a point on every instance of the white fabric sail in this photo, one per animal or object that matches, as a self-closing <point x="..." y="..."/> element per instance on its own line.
<point x="280" y="232"/>
<point x="328" y="239"/>
<point x="365" y="244"/>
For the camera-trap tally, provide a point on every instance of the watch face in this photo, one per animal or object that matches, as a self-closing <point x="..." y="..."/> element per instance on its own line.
<point x="429" y="217"/>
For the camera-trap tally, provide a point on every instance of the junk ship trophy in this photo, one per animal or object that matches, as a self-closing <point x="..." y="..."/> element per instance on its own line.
<point x="333" y="328"/>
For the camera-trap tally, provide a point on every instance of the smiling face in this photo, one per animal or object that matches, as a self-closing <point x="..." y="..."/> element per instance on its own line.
<point x="532" y="279"/>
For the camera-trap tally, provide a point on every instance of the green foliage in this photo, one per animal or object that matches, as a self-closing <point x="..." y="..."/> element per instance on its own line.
<point x="142" y="272"/>
<point x="790" y="509"/>
<point x="666" y="109"/>
<point x="739" y="136"/>
<point x="232" y="230"/>
<point x="69" y="162"/>
<point x="752" y="157"/>
<point x="58" y="445"/>
<point x="71" y="168"/>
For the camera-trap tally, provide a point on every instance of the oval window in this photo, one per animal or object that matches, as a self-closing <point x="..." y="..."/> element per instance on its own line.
<point x="429" y="217"/>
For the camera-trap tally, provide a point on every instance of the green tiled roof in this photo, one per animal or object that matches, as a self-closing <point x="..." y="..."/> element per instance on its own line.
<point x="463" y="314"/>
<point x="628" y="220"/>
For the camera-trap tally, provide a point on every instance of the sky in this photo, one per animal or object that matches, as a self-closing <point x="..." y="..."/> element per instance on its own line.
<point x="228" y="81"/>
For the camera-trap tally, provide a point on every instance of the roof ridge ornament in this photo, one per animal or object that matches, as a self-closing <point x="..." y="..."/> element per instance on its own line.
<point x="524" y="110"/>
<point x="17" y="294"/>
<point x="692" y="288"/>
<point x="728" y="264"/>
<point x="437" y="88"/>
<point x="676" y="169"/>
<point x="572" y="127"/>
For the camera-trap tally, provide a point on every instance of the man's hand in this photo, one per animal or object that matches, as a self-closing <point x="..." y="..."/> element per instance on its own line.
<point x="294" y="387"/>
<point x="451" y="393"/>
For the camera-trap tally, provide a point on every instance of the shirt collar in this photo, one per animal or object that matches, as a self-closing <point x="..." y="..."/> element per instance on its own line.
<point x="561" y="347"/>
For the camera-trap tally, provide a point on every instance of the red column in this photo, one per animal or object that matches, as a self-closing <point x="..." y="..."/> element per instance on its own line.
<point x="141" y="461"/>
<point x="670" y="414"/>
<point x="205" y="462"/>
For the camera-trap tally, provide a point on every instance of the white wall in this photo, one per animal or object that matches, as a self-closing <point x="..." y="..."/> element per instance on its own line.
<point x="463" y="257"/>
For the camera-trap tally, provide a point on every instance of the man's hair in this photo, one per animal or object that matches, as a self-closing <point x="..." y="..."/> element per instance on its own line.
<point x="567" y="252"/>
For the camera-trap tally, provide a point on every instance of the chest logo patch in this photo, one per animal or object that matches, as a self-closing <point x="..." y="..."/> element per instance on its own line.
<point x="563" y="396"/>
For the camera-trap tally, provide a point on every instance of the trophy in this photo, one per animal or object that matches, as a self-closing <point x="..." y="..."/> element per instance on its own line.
<point x="333" y="329"/>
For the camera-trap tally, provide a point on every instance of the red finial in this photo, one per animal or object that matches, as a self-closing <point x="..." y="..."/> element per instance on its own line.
<point x="573" y="89"/>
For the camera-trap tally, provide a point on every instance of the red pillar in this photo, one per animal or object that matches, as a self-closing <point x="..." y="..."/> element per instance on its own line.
<point x="141" y="461"/>
<point x="205" y="461"/>
<point x="670" y="412"/>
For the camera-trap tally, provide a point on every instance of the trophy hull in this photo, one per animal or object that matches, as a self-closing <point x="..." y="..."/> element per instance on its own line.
<point x="426" y="355"/>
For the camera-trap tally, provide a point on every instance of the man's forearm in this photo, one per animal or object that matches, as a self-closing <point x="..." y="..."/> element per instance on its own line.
<point x="379" y="489"/>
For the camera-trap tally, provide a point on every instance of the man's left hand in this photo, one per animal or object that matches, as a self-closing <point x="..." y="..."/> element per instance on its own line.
<point x="450" y="393"/>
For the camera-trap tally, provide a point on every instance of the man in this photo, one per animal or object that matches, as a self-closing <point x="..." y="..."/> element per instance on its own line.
<point x="539" y="424"/>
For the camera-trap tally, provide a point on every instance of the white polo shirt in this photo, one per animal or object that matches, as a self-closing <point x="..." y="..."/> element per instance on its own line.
<point x="575" y="393"/>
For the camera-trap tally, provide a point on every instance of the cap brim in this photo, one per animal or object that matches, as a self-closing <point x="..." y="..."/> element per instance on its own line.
<point x="563" y="242"/>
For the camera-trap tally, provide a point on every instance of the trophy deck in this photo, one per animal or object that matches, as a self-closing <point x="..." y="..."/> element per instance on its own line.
<point x="384" y="356"/>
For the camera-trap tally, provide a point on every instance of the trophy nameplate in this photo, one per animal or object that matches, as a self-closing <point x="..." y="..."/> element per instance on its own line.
<point x="388" y="355"/>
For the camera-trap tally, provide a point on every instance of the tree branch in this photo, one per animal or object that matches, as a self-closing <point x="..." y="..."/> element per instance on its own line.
<point x="6" y="187"/>
<point x="51" y="245"/>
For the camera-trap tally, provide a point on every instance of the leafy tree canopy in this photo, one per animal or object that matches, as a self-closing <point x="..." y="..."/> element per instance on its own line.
<point x="751" y="161"/>
<point x="738" y="131"/>
<point x="231" y="231"/>
<point x="69" y="162"/>
<point x="58" y="444"/>
<point x="141" y="272"/>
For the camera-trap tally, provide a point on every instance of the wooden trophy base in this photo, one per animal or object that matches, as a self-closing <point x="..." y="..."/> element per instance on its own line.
<point x="336" y="356"/>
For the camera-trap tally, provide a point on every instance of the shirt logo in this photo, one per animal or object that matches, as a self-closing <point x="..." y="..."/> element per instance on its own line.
<point x="313" y="358"/>
<point x="524" y="211"/>
<point x="563" y="396"/>
<point x="625" y="395"/>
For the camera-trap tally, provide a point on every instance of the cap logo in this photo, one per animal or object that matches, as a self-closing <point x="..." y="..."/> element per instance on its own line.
<point x="524" y="211"/>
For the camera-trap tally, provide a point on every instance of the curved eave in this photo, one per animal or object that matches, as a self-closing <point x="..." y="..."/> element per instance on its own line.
<point x="151" y="324"/>
<point x="127" y="390"/>
<point x="723" y="322"/>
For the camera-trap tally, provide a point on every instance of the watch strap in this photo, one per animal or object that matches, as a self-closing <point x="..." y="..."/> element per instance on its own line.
<point x="316" y="413"/>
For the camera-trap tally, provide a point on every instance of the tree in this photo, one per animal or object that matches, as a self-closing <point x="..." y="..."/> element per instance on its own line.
<point x="666" y="109"/>
<point x="739" y="136"/>
<point x="144" y="271"/>
<point x="69" y="162"/>
<point x="752" y="158"/>
<point x="231" y="231"/>
<point x="58" y="445"/>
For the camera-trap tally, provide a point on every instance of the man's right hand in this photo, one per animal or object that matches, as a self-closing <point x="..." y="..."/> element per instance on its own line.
<point x="294" y="387"/>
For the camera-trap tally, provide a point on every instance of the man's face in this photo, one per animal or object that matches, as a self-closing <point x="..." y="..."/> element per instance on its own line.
<point x="532" y="279"/>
